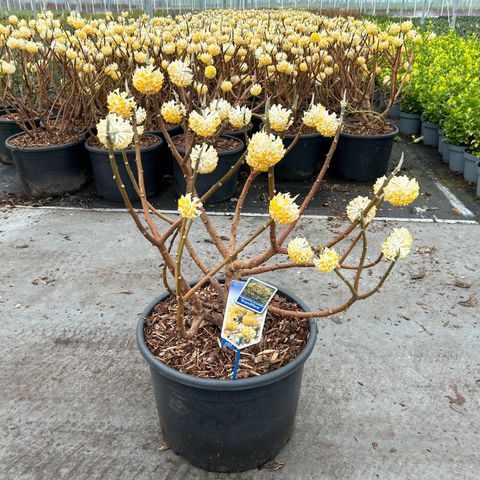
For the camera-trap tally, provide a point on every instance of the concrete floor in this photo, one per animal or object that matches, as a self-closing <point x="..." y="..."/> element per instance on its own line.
<point x="392" y="390"/>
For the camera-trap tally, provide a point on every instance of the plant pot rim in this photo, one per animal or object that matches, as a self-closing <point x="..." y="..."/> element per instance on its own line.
<point x="225" y="385"/>
<point x="456" y="148"/>
<point x="240" y="130"/>
<point x="372" y="137"/>
<point x="470" y="156"/>
<point x="130" y="150"/>
<point x="409" y="115"/>
<point x="220" y="154"/>
<point x="304" y="135"/>
<point x="428" y="124"/>
<point x="40" y="149"/>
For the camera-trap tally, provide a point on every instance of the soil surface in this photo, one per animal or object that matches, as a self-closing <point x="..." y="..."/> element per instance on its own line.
<point x="44" y="138"/>
<point x="356" y="127"/>
<point x="146" y="140"/>
<point x="282" y="340"/>
<point x="221" y="144"/>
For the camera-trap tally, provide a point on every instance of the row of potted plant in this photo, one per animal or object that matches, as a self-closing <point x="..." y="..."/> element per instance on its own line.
<point x="219" y="71"/>
<point x="442" y="101"/>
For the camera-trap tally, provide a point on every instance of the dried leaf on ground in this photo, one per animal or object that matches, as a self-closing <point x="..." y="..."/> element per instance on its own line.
<point x="417" y="274"/>
<point x="163" y="447"/>
<point x="458" y="399"/>
<point x="462" y="282"/>
<point x="470" y="302"/>
<point x="426" y="250"/>
<point x="273" y="465"/>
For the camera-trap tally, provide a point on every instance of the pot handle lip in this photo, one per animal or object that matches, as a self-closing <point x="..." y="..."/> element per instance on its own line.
<point x="226" y="385"/>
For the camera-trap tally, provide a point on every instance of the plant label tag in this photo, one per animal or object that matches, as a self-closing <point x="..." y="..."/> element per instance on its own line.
<point x="256" y="295"/>
<point x="241" y="327"/>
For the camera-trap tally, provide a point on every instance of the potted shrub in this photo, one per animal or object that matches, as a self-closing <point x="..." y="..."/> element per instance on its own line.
<point x="459" y="124"/>
<point x="366" y="141"/>
<point x="48" y="152"/>
<point x="410" y="110"/>
<point x="179" y="332"/>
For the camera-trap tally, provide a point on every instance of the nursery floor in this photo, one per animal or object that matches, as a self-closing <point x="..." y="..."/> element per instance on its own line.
<point x="444" y="195"/>
<point x="391" y="390"/>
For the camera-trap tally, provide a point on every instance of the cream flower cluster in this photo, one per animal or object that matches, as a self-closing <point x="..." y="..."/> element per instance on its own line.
<point x="300" y="250"/>
<point x="204" y="124"/>
<point x="280" y="118"/>
<point x="356" y="210"/>
<point x="222" y="107"/>
<point x="239" y="117"/>
<point x="398" y="244"/>
<point x="7" y="68"/>
<point x="115" y="130"/>
<point x="264" y="151"/>
<point x="180" y="73"/>
<point x="205" y="157"/>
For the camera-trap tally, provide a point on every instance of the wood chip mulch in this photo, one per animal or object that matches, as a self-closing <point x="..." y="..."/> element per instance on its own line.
<point x="283" y="339"/>
<point x="44" y="138"/>
<point x="373" y="128"/>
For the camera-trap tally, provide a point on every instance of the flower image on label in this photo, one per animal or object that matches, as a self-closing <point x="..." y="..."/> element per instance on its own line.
<point x="256" y="295"/>
<point x="241" y="326"/>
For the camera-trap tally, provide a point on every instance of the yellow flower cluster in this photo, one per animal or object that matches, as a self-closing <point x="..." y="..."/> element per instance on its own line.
<point x="283" y="209"/>
<point x="148" y="80"/>
<point x="173" y="112"/>
<point x="120" y="104"/>
<point x="398" y="244"/>
<point x="399" y="191"/>
<point x="189" y="207"/>
<point x="327" y="260"/>
<point x="264" y="151"/>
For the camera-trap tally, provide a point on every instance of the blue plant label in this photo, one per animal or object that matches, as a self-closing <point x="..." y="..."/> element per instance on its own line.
<point x="241" y="327"/>
<point x="256" y="295"/>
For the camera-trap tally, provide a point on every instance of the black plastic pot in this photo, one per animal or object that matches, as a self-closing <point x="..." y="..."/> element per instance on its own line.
<point x="7" y="129"/>
<point x="303" y="159"/>
<point x="227" y="425"/>
<point x="226" y="160"/>
<point x="165" y="153"/>
<point x="363" y="158"/>
<point x="46" y="171"/>
<point x="102" y="171"/>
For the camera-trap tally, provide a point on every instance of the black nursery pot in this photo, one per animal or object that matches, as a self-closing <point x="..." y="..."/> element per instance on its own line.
<point x="303" y="159"/>
<point x="7" y="129"/>
<point x="227" y="425"/>
<point x="102" y="171"/>
<point x="226" y="160"/>
<point x="46" y="171"/>
<point x="165" y="153"/>
<point x="363" y="158"/>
